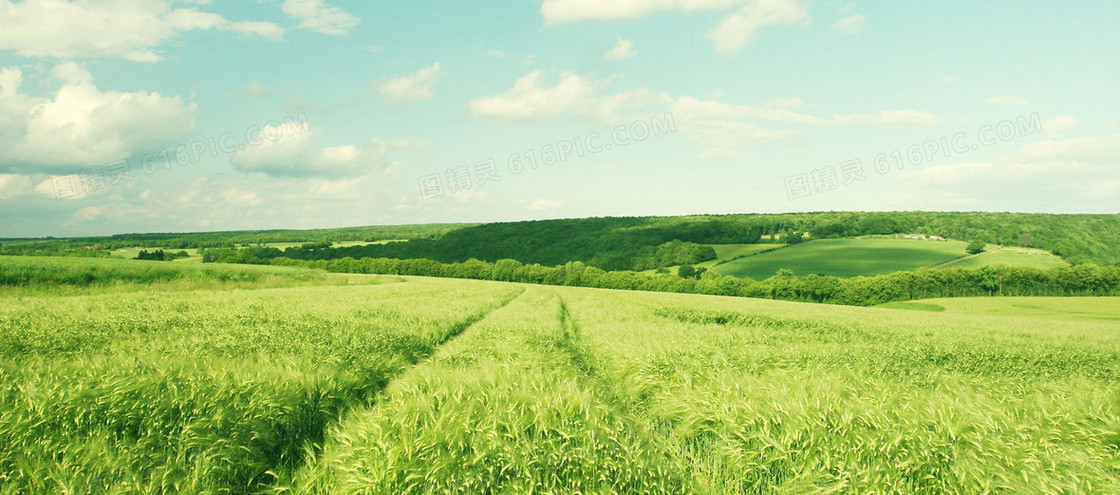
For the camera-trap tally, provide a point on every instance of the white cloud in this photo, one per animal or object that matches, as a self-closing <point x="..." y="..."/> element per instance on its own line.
<point x="558" y="11"/>
<point x="532" y="98"/>
<point x="738" y="29"/>
<point x="88" y="213"/>
<point x="1058" y="125"/>
<point x="1007" y="101"/>
<point x="266" y="30"/>
<point x="14" y="185"/>
<point x="410" y="88"/>
<point x="130" y="29"/>
<point x="853" y="24"/>
<point x="70" y="72"/>
<point x="541" y="204"/>
<point x="65" y="187"/>
<point x="293" y="150"/>
<point x="318" y="16"/>
<point x="729" y="36"/>
<point x="241" y="197"/>
<point x="950" y="79"/>
<point x="1083" y="168"/>
<point x="622" y="50"/>
<point x="254" y="89"/>
<point x="1098" y="189"/>
<point x="82" y="126"/>
<point x="723" y="128"/>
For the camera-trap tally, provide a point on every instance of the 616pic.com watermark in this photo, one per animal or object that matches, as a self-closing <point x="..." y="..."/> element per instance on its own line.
<point x="831" y="177"/>
<point x="479" y="173"/>
<point x="98" y="177"/>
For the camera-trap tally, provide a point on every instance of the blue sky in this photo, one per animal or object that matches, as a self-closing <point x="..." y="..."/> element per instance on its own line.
<point x="152" y="115"/>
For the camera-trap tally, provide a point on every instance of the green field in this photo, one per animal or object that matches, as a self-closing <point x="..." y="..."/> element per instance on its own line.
<point x="1015" y="256"/>
<point x="876" y="256"/>
<point x="420" y="385"/>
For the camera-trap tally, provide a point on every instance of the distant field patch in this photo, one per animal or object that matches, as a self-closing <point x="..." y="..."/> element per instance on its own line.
<point x="876" y="256"/>
<point x="846" y="257"/>
<point x="1015" y="256"/>
<point x="1091" y="308"/>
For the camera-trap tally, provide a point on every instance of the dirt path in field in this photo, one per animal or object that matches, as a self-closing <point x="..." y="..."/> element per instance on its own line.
<point x="947" y="263"/>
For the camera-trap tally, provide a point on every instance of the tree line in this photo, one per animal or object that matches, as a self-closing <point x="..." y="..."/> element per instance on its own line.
<point x="636" y="243"/>
<point x="1075" y="280"/>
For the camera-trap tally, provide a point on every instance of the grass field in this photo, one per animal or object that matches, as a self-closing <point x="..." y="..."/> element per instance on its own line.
<point x="45" y="275"/>
<point x="1007" y="255"/>
<point x="422" y="385"/>
<point x="876" y="256"/>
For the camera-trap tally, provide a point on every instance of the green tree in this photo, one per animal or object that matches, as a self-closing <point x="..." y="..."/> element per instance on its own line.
<point x="686" y="271"/>
<point x="975" y="247"/>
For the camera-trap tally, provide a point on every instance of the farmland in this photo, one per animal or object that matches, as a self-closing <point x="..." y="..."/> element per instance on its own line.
<point x="876" y="256"/>
<point x="369" y="384"/>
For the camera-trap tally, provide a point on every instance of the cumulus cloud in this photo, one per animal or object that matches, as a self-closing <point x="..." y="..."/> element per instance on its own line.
<point x="737" y="30"/>
<point x="533" y="98"/>
<point x="622" y="50"/>
<point x="410" y="88"/>
<point x="729" y="36"/>
<point x="318" y="16"/>
<point x="80" y="125"/>
<point x="852" y="24"/>
<point x="130" y="29"/>
<point x="293" y="150"/>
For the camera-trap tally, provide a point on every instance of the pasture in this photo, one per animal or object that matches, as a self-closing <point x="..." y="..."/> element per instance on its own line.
<point x="876" y="256"/>
<point x="421" y="385"/>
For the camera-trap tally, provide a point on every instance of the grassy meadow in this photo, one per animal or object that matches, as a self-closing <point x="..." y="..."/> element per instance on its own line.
<point x="876" y="256"/>
<point x="421" y="385"/>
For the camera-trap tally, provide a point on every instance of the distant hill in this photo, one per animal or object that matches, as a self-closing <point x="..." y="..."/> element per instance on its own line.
<point x="633" y="243"/>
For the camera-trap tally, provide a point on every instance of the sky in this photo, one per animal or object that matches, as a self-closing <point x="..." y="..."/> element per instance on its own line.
<point x="121" y="116"/>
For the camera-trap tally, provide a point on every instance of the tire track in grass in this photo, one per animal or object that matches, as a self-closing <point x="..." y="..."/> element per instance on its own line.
<point x="460" y="327"/>
<point x="314" y="449"/>
<point x="505" y="408"/>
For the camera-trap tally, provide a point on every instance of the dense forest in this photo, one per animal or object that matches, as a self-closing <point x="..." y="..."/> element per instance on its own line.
<point x="639" y="243"/>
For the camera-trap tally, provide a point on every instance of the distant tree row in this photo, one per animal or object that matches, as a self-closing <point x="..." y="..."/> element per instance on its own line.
<point x="160" y="255"/>
<point x="1077" y="280"/>
<point x="634" y="243"/>
<point x="642" y="243"/>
